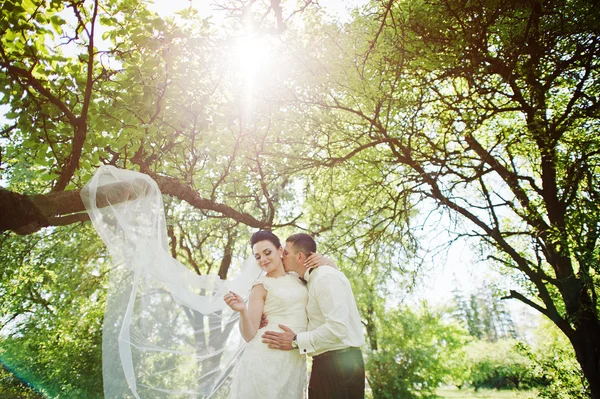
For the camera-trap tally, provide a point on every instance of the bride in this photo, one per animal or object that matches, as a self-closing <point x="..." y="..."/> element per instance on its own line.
<point x="281" y="297"/>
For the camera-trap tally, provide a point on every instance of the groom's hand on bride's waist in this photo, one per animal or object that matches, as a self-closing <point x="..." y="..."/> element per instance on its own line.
<point x="279" y="340"/>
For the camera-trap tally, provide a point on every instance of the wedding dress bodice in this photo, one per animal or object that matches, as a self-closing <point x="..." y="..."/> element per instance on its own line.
<point x="286" y="301"/>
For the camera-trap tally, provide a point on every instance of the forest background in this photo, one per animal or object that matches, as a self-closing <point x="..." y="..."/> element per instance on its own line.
<point x="392" y="134"/>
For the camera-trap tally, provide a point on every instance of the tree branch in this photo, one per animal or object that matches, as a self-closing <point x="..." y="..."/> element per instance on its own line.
<point x="25" y="214"/>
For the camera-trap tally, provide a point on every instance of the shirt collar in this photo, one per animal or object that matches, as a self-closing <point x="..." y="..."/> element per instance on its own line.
<point x="308" y="272"/>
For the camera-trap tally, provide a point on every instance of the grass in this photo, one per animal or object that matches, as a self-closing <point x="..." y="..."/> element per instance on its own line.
<point x="455" y="393"/>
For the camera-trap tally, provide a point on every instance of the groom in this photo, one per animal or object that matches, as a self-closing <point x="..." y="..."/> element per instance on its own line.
<point x="334" y="335"/>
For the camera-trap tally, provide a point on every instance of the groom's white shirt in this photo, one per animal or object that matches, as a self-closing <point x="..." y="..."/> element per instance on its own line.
<point x="333" y="319"/>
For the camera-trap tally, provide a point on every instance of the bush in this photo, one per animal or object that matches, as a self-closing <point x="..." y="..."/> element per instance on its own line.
<point x="414" y="354"/>
<point x="499" y="365"/>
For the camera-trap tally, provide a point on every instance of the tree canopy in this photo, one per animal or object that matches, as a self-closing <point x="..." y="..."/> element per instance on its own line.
<point x="487" y="111"/>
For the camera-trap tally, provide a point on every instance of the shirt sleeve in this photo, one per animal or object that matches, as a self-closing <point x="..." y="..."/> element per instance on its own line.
<point x="332" y="299"/>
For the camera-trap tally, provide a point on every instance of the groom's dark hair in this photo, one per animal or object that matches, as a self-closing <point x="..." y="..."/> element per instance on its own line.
<point x="265" y="235"/>
<point x="303" y="243"/>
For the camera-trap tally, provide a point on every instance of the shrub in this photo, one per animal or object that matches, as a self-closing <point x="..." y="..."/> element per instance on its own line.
<point x="498" y="365"/>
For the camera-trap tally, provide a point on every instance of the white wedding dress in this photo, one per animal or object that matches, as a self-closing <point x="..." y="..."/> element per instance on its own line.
<point x="271" y="373"/>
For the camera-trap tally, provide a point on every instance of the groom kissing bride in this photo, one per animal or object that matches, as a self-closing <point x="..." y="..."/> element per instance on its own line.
<point x="334" y="334"/>
<point x="316" y="317"/>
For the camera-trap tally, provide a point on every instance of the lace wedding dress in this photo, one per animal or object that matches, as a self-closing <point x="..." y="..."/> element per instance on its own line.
<point x="271" y="373"/>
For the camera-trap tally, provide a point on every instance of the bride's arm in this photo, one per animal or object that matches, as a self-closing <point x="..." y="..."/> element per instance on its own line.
<point x="250" y="317"/>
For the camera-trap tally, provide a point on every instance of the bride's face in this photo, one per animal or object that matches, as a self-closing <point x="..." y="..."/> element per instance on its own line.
<point x="267" y="256"/>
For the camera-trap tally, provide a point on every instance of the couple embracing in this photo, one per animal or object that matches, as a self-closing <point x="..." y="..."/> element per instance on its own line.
<point x="297" y="309"/>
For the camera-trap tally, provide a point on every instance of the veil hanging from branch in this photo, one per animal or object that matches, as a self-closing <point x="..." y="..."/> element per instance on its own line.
<point x="167" y="331"/>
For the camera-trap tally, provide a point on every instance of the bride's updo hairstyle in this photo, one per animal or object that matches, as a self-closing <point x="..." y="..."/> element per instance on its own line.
<point x="265" y="235"/>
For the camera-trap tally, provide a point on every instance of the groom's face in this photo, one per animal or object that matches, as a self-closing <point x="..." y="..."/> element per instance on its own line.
<point x="290" y="258"/>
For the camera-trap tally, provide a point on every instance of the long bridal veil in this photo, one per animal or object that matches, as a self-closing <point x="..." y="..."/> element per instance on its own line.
<point x="167" y="331"/>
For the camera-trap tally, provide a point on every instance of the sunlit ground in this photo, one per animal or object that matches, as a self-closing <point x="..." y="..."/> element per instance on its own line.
<point x="455" y="393"/>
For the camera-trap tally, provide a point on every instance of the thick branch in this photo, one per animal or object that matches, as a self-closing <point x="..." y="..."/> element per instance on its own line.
<point x="27" y="214"/>
<point x="512" y="180"/>
<point x="171" y="186"/>
<point x="560" y="322"/>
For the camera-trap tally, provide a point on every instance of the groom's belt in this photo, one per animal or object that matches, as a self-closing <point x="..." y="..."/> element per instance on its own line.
<point x="337" y="351"/>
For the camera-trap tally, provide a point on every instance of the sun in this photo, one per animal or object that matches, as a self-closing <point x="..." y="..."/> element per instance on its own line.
<point x="253" y="52"/>
<point x="253" y="56"/>
<point x="254" y="59"/>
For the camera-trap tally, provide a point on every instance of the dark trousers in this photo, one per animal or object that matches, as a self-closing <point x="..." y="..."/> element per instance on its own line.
<point x="338" y="375"/>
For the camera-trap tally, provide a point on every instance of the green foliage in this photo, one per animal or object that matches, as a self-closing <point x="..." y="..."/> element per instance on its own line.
<point x="554" y="365"/>
<point x="498" y="365"/>
<point x="53" y="301"/>
<point x="413" y="354"/>
<point x="39" y="123"/>
<point x="13" y="387"/>
<point x="453" y="393"/>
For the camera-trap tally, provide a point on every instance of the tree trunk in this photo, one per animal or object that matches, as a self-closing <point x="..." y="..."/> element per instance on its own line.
<point x="586" y="342"/>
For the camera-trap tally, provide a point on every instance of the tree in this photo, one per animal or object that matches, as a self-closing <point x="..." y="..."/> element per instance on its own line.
<point x="554" y="365"/>
<point x="489" y="111"/>
<point x="117" y="85"/>
<point x="484" y="314"/>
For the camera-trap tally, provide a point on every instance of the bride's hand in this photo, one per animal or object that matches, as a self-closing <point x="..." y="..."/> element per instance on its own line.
<point x="316" y="260"/>
<point x="235" y="302"/>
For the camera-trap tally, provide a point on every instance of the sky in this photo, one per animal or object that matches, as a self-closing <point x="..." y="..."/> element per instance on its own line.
<point x="462" y="267"/>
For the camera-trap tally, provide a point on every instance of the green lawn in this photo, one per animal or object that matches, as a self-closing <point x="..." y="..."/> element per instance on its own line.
<point x="454" y="393"/>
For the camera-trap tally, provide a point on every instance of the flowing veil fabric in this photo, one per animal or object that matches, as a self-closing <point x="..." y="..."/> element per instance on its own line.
<point x="167" y="331"/>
